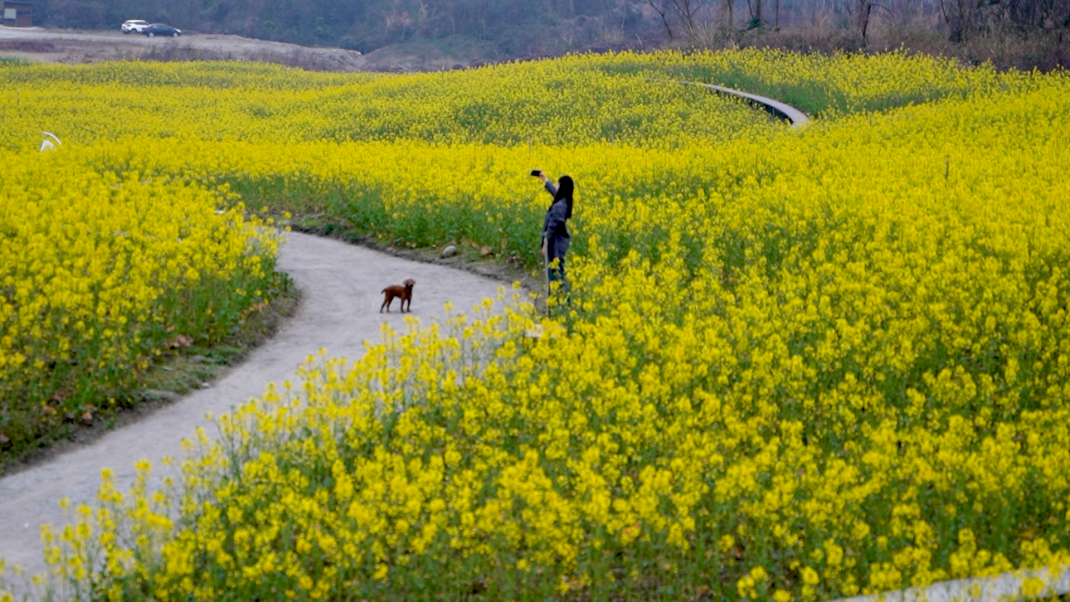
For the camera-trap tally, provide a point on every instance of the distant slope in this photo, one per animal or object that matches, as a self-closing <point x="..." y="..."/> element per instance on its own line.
<point x="70" y="46"/>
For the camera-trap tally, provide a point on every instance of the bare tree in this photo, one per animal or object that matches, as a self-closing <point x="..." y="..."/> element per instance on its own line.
<point x="859" y="13"/>
<point x="662" y="8"/>
<point x="958" y="16"/>
<point x="964" y="18"/>
<point x="686" y="13"/>
<point x="755" y="7"/>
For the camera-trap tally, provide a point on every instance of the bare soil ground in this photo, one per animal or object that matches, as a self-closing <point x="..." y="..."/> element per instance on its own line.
<point x="76" y="47"/>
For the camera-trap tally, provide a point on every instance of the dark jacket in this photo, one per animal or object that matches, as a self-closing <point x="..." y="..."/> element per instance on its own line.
<point x="554" y="230"/>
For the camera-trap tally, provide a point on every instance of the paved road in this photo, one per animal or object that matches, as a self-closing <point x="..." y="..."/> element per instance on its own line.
<point x="87" y="46"/>
<point x="341" y="287"/>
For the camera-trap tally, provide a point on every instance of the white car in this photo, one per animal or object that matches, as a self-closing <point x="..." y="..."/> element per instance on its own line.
<point x="134" y="25"/>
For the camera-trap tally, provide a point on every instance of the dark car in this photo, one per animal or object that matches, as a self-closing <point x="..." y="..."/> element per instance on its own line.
<point x="160" y="29"/>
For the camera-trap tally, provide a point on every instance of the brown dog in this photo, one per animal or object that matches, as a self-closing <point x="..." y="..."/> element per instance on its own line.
<point x="402" y="292"/>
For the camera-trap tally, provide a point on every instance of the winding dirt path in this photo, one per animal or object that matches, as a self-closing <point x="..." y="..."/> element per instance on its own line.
<point x="341" y="286"/>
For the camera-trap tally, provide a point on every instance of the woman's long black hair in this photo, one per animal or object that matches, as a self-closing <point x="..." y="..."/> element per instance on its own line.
<point x="565" y="186"/>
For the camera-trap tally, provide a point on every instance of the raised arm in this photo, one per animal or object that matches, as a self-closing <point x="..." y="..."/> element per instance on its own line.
<point x="550" y="187"/>
<point x="547" y="182"/>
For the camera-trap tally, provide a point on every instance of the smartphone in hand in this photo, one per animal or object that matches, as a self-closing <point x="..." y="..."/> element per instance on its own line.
<point x="536" y="172"/>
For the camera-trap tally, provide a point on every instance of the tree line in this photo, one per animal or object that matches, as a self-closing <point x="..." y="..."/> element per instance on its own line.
<point x="356" y="24"/>
<point x="520" y="28"/>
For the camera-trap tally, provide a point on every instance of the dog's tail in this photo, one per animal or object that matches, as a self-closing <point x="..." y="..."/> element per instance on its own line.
<point x="382" y="291"/>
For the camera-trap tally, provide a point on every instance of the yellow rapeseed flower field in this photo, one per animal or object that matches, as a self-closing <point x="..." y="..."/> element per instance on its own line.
<point x="795" y="366"/>
<point x="100" y="272"/>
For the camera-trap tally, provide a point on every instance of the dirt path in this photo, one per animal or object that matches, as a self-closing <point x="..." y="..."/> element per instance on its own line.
<point x="341" y="286"/>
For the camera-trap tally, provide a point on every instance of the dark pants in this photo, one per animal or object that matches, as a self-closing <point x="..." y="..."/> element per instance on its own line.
<point x="556" y="273"/>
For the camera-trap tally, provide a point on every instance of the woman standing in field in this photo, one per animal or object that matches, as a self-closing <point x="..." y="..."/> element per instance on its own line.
<point x="555" y="237"/>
